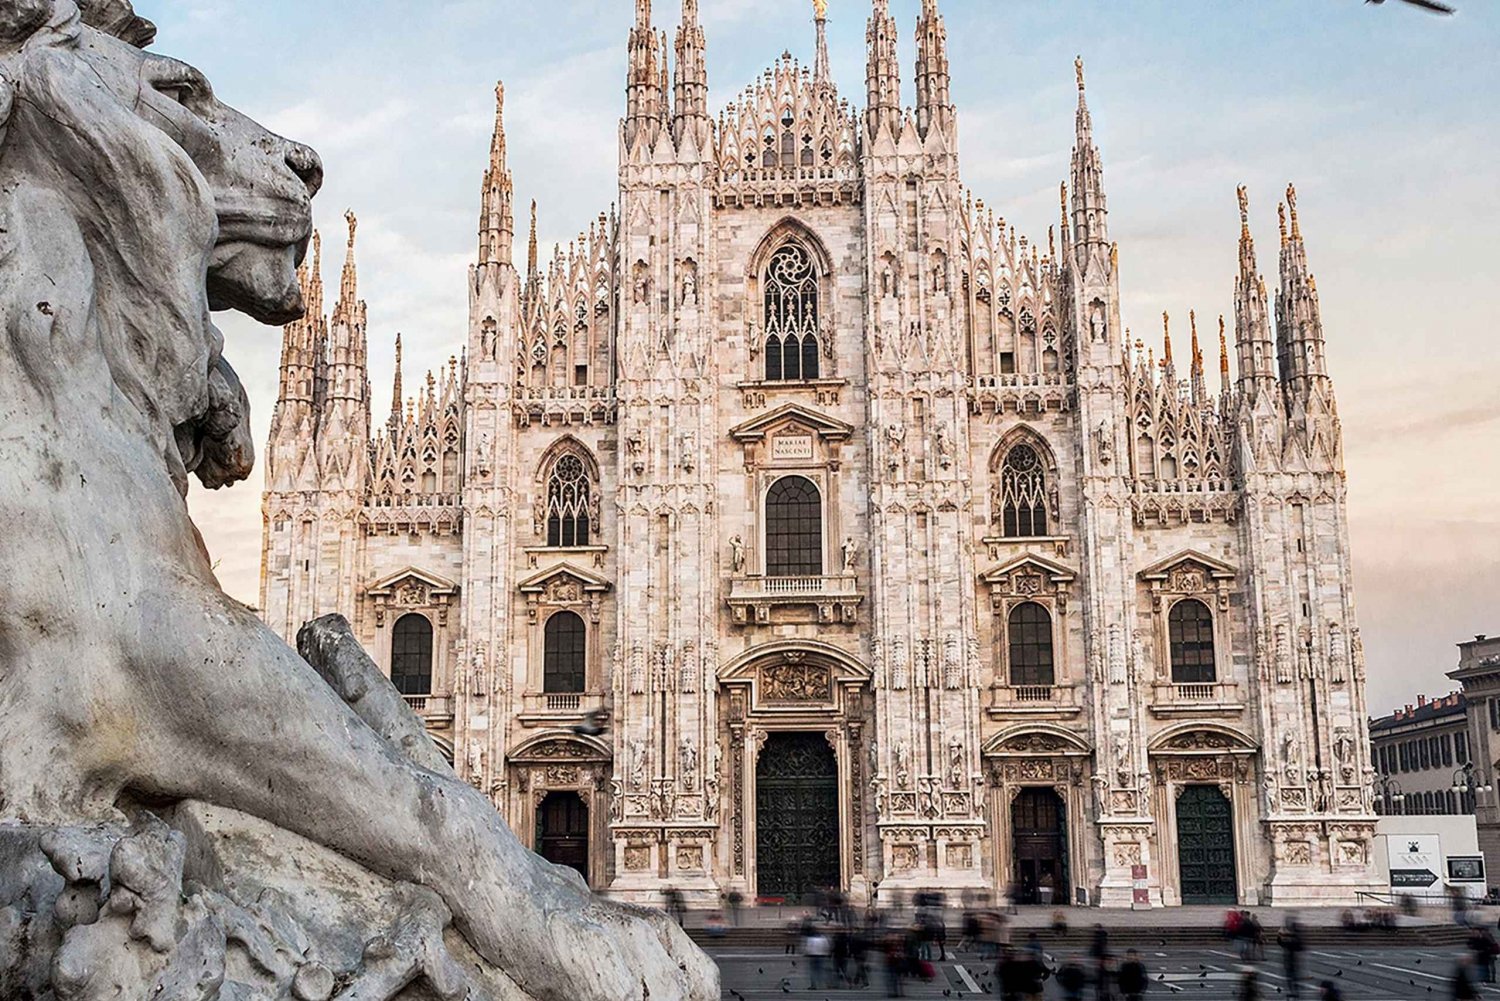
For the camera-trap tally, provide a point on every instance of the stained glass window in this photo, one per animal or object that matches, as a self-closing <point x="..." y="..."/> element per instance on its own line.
<point x="794" y="529"/>
<point x="1023" y="493"/>
<point x="563" y="654"/>
<point x="1029" y="634"/>
<point x="1190" y="628"/>
<point x="791" y="304"/>
<point x="568" y="503"/>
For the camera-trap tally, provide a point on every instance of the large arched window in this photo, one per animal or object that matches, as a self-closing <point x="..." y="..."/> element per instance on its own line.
<point x="568" y="503"/>
<point x="1190" y="628"/>
<point x="563" y="655"/>
<point x="1029" y="632"/>
<point x="1023" y="493"/>
<point x="794" y="528"/>
<point x="411" y="655"/>
<point x="791" y="308"/>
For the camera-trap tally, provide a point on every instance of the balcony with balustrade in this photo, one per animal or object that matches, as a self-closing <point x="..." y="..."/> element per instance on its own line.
<point x="557" y="709"/>
<point x="433" y="707"/>
<point x="1050" y="701"/>
<point x="759" y="600"/>
<point x="1211" y="698"/>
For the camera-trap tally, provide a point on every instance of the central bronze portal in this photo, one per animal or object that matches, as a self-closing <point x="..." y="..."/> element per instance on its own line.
<point x="796" y="816"/>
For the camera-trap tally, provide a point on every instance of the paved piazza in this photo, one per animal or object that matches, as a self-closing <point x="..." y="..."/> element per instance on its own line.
<point x="1206" y="973"/>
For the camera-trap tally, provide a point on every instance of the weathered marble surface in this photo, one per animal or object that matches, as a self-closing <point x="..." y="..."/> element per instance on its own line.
<point x="171" y="773"/>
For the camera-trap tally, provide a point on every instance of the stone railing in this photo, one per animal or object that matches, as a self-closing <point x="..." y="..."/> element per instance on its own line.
<point x="563" y="703"/>
<point x="1034" y="699"/>
<point x="835" y="598"/>
<point x="1196" y="697"/>
<point x="417" y="703"/>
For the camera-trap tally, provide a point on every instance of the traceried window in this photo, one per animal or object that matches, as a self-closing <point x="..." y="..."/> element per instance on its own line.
<point x="411" y="655"/>
<point x="1029" y="635"/>
<point x="791" y="318"/>
<point x="563" y="655"/>
<point x="1023" y="493"/>
<point x="794" y="528"/>
<point x="1190" y="630"/>
<point x="568" y="503"/>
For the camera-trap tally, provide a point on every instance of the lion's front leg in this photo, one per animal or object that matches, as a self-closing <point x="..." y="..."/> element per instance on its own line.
<point x="245" y="723"/>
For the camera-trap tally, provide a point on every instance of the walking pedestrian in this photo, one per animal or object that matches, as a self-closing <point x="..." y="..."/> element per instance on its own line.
<point x="1099" y="953"/>
<point x="1008" y="974"/>
<point x="1482" y="945"/>
<point x="1290" y="940"/>
<point x="1329" y="991"/>
<point x="735" y="898"/>
<point x="1132" y="977"/>
<point x="1249" y="989"/>
<point x="1463" y="988"/>
<point x="893" y="954"/>
<point x="1072" y="979"/>
<point x="818" y="948"/>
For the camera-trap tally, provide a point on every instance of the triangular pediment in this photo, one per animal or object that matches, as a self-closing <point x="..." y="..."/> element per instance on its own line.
<point x="822" y="425"/>
<point x="434" y="583"/>
<point x="1216" y="569"/>
<point x="586" y="579"/>
<point x="1053" y="571"/>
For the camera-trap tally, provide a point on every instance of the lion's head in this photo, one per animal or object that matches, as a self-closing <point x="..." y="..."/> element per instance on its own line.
<point x="184" y="205"/>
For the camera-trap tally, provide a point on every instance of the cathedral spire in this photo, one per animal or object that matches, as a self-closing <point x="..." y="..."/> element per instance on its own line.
<point x="1223" y="361"/>
<point x="934" y="104"/>
<point x="497" y="226"/>
<point x="1299" y="321"/>
<point x="531" y="270"/>
<point x="395" y="418"/>
<point x="1169" y="371"/>
<point x="1090" y="214"/>
<point x="822" y="74"/>
<point x="643" y="87"/>
<point x="690" y="108"/>
<point x="349" y="280"/>
<point x="882" y="71"/>
<point x="1199" y="393"/>
<point x="1252" y="328"/>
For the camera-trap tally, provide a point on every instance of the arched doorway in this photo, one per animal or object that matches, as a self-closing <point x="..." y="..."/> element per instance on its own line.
<point x="1205" y="846"/>
<point x="1038" y="824"/>
<point x="796" y="816"/>
<point x="562" y="831"/>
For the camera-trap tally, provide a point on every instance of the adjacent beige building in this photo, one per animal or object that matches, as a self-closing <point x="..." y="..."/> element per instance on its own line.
<point x="1422" y="760"/>
<point x="1479" y="672"/>
<point x="894" y="562"/>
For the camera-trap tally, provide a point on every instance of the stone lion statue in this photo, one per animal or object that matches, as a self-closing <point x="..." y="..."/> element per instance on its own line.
<point x="154" y="734"/>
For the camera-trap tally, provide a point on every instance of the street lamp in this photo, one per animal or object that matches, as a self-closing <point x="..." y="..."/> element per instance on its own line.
<point x="1464" y="782"/>
<point x="1390" y="791"/>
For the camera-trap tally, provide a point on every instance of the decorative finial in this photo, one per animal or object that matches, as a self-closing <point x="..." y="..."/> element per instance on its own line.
<point x="1291" y="204"/>
<point x="1281" y="215"/>
<point x="317" y="252"/>
<point x="1166" y="339"/>
<point x="1078" y="69"/>
<point x="1244" y="196"/>
<point x="353" y="222"/>
<point x="820" y="9"/>
<point x="1114" y="257"/>
<point x="1223" y="353"/>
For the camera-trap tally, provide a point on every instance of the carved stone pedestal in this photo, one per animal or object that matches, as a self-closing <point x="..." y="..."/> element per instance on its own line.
<point x="1127" y="844"/>
<point x="1320" y="863"/>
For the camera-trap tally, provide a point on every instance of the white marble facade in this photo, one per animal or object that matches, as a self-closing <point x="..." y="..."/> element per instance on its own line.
<point x="1055" y="610"/>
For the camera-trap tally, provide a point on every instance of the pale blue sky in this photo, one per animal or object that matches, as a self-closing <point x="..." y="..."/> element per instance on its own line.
<point x="1385" y="117"/>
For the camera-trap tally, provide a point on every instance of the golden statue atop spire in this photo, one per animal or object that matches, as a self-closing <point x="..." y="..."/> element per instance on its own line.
<point x="1244" y="196"/>
<point x="1291" y="204"/>
<point x="820" y="9"/>
<point x="1078" y="69"/>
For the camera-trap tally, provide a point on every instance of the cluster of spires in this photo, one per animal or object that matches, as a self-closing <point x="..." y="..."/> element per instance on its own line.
<point x="324" y="361"/>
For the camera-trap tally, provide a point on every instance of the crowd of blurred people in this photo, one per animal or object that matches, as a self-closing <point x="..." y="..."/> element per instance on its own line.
<point x="890" y="946"/>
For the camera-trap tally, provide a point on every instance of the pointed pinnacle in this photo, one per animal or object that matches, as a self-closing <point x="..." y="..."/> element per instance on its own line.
<point x="531" y="242"/>
<point x="1197" y="352"/>
<point x="1223" y="355"/>
<point x="1281" y="214"/>
<point x="1078" y="69"/>
<point x="1291" y="204"/>
<point x="1244" y="196"/>
<point x="1166" y="337"/>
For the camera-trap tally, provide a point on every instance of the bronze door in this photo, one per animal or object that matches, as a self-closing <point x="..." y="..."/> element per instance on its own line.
<point x="1205" y="846"/>
<point x="1038" y="824"/>
<point x="796" y="816"/>
<point x="563" y="831"/>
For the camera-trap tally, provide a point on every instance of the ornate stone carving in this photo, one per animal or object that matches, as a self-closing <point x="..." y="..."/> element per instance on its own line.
<point x="793" y="681"/>
<point x="903" y="857"/>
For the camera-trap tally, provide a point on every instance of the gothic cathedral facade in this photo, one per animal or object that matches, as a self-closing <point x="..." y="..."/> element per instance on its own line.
<point x="879" y="554"/>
